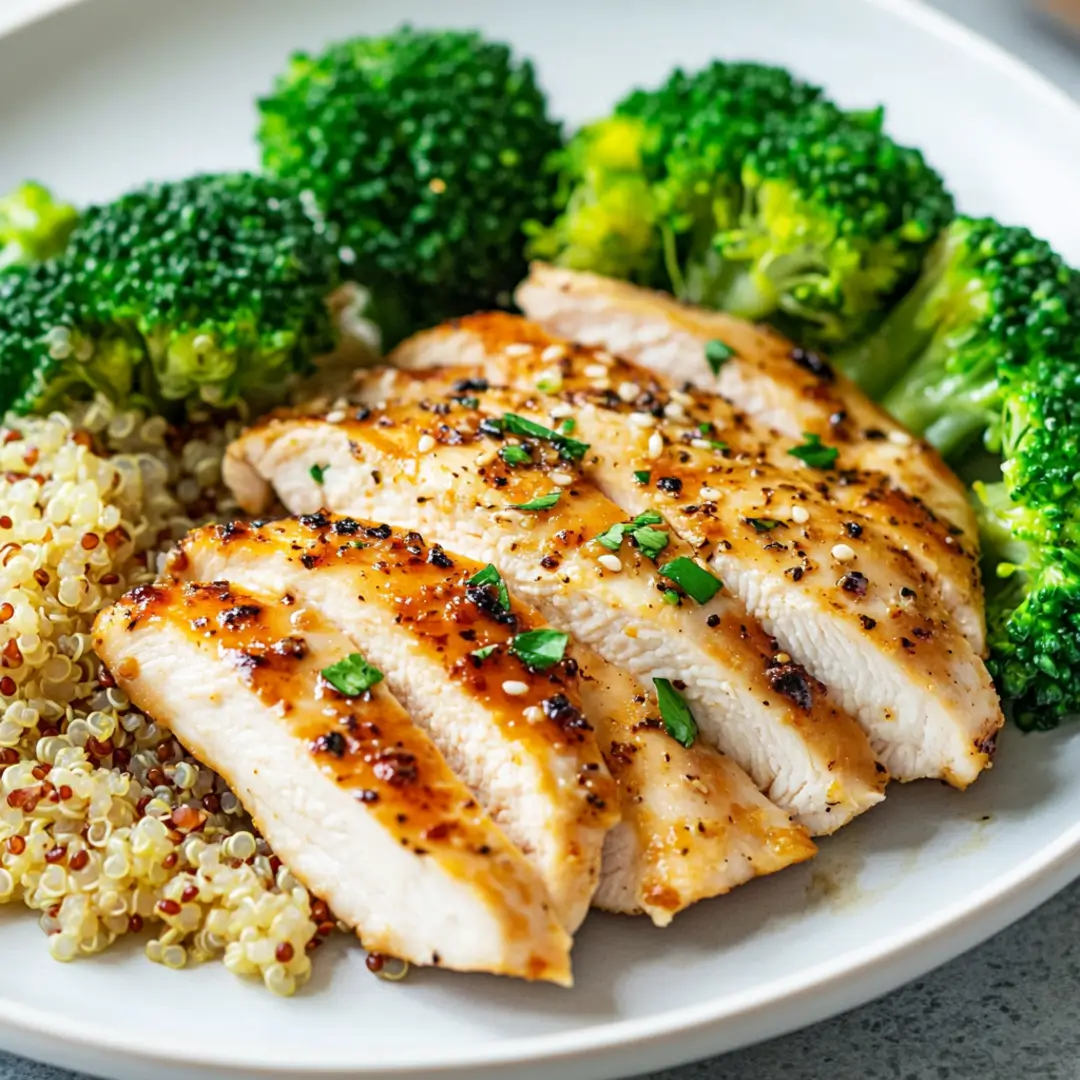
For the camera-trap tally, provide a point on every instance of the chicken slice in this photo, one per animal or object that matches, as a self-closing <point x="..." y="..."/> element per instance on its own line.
<point x="679" y="845"/>
<point x="352" y="796"/>
<point x="831" y="584"/>
<point x="787" y="388"/>
<point x="506" y="350"/>
<point x="441" y="475"/>
<point x="516" y="736"/>
<point x="693" y="823"/>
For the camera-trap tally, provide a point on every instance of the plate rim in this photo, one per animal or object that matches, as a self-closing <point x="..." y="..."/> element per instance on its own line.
<point x="808" y="996"/>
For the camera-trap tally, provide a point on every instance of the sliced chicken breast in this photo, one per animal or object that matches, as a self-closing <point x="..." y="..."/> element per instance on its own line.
<point x="440" y="472"/>
<point x="693" y="823"/>
<point x="615" y="395"/>
<point x="514" y="734"/>
<point x="352" y="796"/>
<point x="787" y="388"/>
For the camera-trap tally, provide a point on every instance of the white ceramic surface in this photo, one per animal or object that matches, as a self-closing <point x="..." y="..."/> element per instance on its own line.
<point x="107" y="93"/>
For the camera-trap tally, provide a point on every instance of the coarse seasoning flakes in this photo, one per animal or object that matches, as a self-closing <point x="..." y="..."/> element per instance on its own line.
<point x="107" y="826"/>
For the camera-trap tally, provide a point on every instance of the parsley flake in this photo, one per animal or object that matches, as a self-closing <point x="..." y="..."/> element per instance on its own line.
<point x="698" y="584"/>
<point x="763" y="524"/>
<point x="814" y="453"/>
<point x="675" y="713"/>
<point x="515" y="455"/>
<point x="642" y="476"/>
<point x="718" y="353"/>
<point x="318" y="473"/>
<point x="484" y="652"/>
<point x="352" y="676"/>
<point x="569" y="449"/>
<point x="539" y="649"/>
<point x="650" y="541"/>
<point x="541" y="502"/>
<point x="490" y="576"/>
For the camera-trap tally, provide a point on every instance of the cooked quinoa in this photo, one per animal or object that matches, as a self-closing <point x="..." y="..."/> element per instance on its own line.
<point x="107" y="826"/>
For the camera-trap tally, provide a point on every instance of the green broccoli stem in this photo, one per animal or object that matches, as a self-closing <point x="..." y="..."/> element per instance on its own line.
<point x="879" y="361"/>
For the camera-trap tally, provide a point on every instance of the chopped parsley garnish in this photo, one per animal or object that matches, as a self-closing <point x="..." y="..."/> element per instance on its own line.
<point x="642" y="476"/>
<point x="718" y="444"/>
<point x="318" y="473"/>
<point x="650" y="541"/>
<point x="468" y="402"/>
<point x="541" y="502"/>
<point x="678" y="719"/>
<point x="539" y="649"/>
<point x="490" y="576"/>
<point x="718" y="353"/>
<point x="352" y="676"/>
<point x="815" y="453"/>
<point x="568" y="426"/>
<point x="698" y="584"/>
<point x="568" y="448"/>
<point x="484" y="652"/>
<point x="763" y="524"/>
<point x="670" y="597"/>
<point x="515" y="455"/>
<point x="358" y="544"/>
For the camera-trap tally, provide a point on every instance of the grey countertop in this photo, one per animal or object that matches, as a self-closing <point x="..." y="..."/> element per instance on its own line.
<point x="1010" y="1008"/>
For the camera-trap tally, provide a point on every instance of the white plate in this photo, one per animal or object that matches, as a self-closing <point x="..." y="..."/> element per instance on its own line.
<point x="110" y="92"/>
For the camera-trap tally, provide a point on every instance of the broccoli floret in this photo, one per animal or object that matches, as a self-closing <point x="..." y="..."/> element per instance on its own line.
<point x="1033" y="613"/>
<point x="33" y="225"/>
<point x="426" y="151"/>
<point x="210" y="290"/>
<point x="634" y="187"/>
<point x="831" y="221"/>
<point x="609" y="219"/>
<point x="991" y="300"/>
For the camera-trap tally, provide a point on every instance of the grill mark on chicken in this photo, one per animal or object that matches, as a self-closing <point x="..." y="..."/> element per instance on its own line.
<point x="517" y="735"/>
<point x="238" y="678"/>
<point x="462" y="496"/>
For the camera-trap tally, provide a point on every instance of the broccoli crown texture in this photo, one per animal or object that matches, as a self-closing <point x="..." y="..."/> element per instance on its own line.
<point x="991" y="301"/>
<point x="634" y="186"/>
<point x="33" y="225"/>
<point x="608" y="222"/>
<point x="212" y="289"/>
<point x="426" y="151"/>
<point x="833" y="219"/>
<point x="1034" y="637"/>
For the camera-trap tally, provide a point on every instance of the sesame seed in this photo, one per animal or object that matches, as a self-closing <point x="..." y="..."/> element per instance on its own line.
<point x="603" y="357"/>
<point x="486" y="457"/>
<point x="601" y="384"/>
<point x="628" y="391"/>
<point x="843" y="552"/>
<point x="515" y="688"/>
<point x="656" y="444"/>
<point x="533" y="714"/>
<point x="642" y="419"/>
<point x="700" y="444"/>
<point x="595" y="371"/>
<point x="520" y="349"/>
<point x="681" y="398"/>
<point x="559" y="412"/>
<point x="709" y="493"/>
<point x="899" y="438"/>
<point x="425" y="444"/>
<point x="800" y="514"/>
<point x="563" y="479"/>
<point x="782" y="658"/>
<point x="336" y="416"/>
<point x="610" y="562"/>
<point x="553" y="353"/>
<point x="698" y="785"/>
<point x="674" y="411"/>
